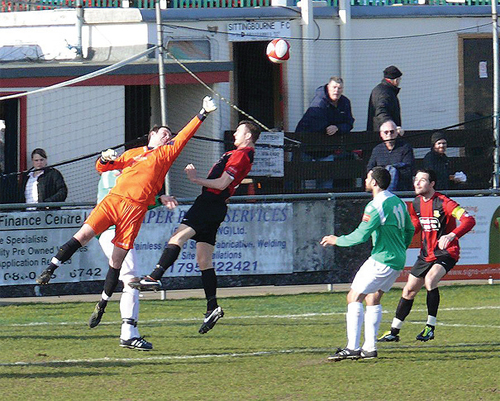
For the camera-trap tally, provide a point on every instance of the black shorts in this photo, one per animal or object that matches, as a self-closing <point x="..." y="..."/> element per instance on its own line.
<point x="205" y="217"/>
<point x="421" y="267"/>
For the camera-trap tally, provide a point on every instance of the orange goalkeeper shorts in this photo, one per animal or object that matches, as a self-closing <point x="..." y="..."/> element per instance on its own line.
<point x="118" y="211"/>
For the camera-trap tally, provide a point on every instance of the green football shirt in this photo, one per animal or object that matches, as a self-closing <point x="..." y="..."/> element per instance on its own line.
<point x="387" y="220"/>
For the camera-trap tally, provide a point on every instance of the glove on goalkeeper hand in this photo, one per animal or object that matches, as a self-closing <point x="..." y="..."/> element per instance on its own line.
<point x="108" y="155"/>
<point x="208" y="105"/>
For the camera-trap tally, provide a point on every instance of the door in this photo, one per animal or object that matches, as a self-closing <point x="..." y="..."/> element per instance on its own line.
<point x="9" y="150"/>
<point x="137" y="114"/>
<point x="258" y="82"/>
<point x="477" y="81"/>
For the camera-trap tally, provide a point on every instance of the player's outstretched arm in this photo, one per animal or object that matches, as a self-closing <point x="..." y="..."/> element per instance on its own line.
<point x="329" y="240"/>
<point x="208" y="106"/>
<point x="185" y="134"/>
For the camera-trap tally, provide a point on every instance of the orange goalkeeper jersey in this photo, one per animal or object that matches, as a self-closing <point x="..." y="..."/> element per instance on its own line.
<point x="144" y="169"/>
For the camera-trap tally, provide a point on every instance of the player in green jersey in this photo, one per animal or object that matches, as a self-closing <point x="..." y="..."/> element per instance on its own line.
<point x="387" y="221"/>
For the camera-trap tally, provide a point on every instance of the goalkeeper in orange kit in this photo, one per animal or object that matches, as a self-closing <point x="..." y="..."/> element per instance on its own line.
<point x="143" y="174"/>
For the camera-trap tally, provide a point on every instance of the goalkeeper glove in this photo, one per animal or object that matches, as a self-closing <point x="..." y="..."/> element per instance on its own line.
<point x="108" y="155"/>
<point x="208" y="106"/>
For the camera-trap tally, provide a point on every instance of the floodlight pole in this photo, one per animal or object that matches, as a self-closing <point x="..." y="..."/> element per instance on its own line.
<point x="496" y="134"/>
<point x="161" y="74"/>
<point x="307" y="22"/>
<point x="161" y="67"/>
<point x="345" y="48"/>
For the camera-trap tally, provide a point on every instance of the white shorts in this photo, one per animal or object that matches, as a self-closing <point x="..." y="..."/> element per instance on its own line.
<point x="128" y="266"/>
<point x="373" y="276"/>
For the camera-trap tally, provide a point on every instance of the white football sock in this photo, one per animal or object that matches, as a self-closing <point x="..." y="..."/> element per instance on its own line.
<point x="431" y="320"/>
<point x="396" y="323"/>
<point x="105" y="296"/>
<point x="354" y="319"/>
<point x="129" y="309"/>
<point x="373" y="316"/>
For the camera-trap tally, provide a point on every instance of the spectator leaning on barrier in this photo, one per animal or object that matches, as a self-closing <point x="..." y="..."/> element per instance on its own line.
<point x="329" y="113"/>
<point x="384" y="103"/>
<point x="437" y="160"/>
<point x="42" y="183"/>
<point x="395" y="155"/>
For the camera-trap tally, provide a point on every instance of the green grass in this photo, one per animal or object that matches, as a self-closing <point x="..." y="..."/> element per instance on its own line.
<point x="265" y="348"/>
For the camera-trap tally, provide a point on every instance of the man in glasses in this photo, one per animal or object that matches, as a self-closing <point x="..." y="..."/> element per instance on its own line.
<point x="395" y="155"/>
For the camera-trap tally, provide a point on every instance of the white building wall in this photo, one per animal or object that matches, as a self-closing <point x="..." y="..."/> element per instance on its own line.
<point x="184" y="102"/>
<point x="429" y="94"/>
<point x="73" y="122"/>
<point x="429" y="91"/>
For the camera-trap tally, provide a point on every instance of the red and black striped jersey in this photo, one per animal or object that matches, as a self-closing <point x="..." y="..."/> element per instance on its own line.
<point x="237" y="163"/>
<point x="437" y="217"/>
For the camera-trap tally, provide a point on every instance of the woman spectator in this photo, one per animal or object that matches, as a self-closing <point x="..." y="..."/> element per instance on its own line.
<point x="42" y="183"/>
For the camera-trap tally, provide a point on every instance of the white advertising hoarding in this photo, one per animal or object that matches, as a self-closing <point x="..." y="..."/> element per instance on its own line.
<point x="253" y="239"/>
<point x="245" y="31"/>
<point x="269" y="161"/>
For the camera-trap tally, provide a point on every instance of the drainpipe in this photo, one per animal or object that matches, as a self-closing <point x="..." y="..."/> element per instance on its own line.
<point x="307" y="35"/>
<point x="496" y="135"/>
<point x="79" y="28"/>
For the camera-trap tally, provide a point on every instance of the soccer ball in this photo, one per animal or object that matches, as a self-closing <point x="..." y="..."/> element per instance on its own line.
<point x="278" y="50"/>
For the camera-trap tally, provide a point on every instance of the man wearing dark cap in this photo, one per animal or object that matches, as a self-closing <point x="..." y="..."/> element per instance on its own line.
<point x="384" y="102"/>
<point x="437" y="160"/>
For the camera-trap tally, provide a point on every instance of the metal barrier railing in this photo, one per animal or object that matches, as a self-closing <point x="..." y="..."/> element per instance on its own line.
<point x="254" y="198"/>
<point x="33" y="5"/>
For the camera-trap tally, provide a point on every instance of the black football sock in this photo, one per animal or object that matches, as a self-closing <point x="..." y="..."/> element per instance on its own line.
<point x="167" y="259"/>
<point x="395" y="331"/>
<point x="111" y="281"/>
<point x="209" y="280"/>
<point x="65" y="252"/>
<point x="102" y="304"/>
<point x="404" y="308"/>
<point x="433" y="299"/>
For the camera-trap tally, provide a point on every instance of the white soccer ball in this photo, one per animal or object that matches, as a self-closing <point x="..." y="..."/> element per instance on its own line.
<point x="278" y="50"/>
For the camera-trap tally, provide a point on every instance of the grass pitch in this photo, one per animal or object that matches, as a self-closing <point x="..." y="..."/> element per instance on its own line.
<point x="265" y="348"/>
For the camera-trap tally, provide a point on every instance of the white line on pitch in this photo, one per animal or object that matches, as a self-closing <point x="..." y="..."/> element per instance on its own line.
<point x="460" y="325"/>
<point x="166" y="357"/>
<point x="295" y="316"/>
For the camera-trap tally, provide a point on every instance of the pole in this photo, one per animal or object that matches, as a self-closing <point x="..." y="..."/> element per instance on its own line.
<point x="307" y="56"/>
<point x="161" y="73"/>
<point x="79" y="27"/>
<point x="496" y="134"/>
<point x="161" y="67"/>
<point x="345" y="45"/>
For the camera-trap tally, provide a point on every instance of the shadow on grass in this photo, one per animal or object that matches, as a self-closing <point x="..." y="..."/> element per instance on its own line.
<point x="39" y="338"/>
<point x="49" y="375"/>
<point x="426" y="352"/>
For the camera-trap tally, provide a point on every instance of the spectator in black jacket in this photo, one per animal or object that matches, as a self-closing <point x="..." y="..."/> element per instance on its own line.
<point x="42" y="183"/>
<point x="384" y="103"/>
<point x="437" y="160"/>
<point x="396" y="156"/>
<point x="329" y="113"/>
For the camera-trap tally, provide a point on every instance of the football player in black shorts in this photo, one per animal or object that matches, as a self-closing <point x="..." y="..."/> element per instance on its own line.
<point x="203" y="219"/>
<point x="435" y="215"/>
